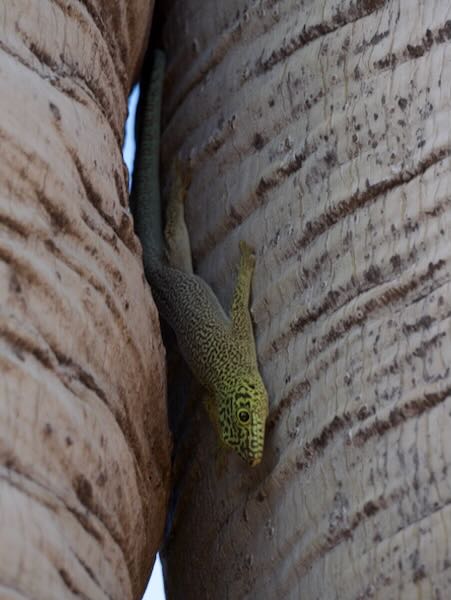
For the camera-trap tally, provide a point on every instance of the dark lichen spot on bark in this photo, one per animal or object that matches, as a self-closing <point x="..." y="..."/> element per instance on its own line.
<point x="331" y="158"/>
<point x="101" y="479"/>
<point x="444" y="33"/>
<point x="423" y="323"/>
<point x="121" y="187"/>
<point x="47" y="430"/>
<point x="371" y="508"/>
<point x="423" y="348"/>
<point x="258" y="141"/>
<point x="50" y="245"/>
<point x="83" y="490"/>
<point x="55" y="111"/>
<point x="388" y="62"/>
<point x="402" y="103"/>
<point x="419" y="574"/>
<point x="415" y="51"/>
<point x="14" y="284"/>
<point x="395" y="261"/>
<point x="373" y="275"/>
<point x="126" y="232"/>
<point x="364" y="413"/>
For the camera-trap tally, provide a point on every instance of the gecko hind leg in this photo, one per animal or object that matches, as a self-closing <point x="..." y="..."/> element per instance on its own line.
<point x="178" y="247"/>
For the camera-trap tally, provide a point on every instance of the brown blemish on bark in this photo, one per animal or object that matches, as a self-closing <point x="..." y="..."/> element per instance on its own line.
<point x="83" y="490"/>
<point x="314" y="32"/>
<point x="14" y="225"/>
<point x="399" y="414"/>
<point x="55" y="111"/>
<point x="268" y="183"/>
<point x="21" y="346"/>
<point x="59" y="221"/>
<point x="285" y="402"/>
<point x="348" y="206"/>
<point x="70" y="585"/>
<point x="125" y="229"/>
<point x="442" y="35"/>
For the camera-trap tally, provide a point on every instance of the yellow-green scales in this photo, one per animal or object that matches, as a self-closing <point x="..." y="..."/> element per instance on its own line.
<point x="219" y="350"/>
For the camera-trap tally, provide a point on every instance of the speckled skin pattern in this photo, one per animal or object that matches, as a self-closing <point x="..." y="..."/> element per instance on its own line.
<point x="219" y="351"/>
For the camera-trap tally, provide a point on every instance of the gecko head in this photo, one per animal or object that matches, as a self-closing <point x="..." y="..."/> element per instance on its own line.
<point x="243" y="416"/>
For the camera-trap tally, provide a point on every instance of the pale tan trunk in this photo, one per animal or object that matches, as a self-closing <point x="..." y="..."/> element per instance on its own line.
<point x="84" y="444"/>
<point x="320" y="133"/>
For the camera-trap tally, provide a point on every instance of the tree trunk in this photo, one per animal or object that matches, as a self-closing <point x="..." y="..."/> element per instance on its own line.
<point x="84" y="443"/>
<point x="319" y="132"/>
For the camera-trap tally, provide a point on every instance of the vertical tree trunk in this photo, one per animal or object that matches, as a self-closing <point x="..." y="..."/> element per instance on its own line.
<point x="319" y="132"/>
<point x="84" y="444"/>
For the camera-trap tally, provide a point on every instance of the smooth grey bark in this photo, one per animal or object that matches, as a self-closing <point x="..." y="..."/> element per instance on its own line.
<point x="319" y="132"/>
<point x="84" y="441"/>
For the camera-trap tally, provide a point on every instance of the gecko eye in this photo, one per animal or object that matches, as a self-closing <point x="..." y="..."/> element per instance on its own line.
<point x="243" y="415"/>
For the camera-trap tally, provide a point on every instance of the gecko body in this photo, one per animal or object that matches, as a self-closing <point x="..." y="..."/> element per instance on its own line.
<point x="219" y="350"/>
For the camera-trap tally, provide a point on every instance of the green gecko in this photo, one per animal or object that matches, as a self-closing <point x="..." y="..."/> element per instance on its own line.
<point x="220" y="351"/>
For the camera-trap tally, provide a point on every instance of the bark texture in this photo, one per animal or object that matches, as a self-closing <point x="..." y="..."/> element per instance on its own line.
<point x="84" y="443"/>
<point x="320" y="133"/>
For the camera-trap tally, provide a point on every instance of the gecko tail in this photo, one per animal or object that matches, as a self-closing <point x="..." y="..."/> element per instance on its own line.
<point x="145" y="201"/>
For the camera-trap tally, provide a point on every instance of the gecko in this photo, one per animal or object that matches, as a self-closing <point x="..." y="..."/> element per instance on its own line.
<point x="219" y="350"/>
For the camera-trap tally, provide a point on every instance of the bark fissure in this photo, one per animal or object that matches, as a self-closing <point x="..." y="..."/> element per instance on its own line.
<point x="399" y="414"/>
<point x="345" y="533"/>
<point x="63" y="367"/>
<point x="91" y="574"/>
<point x="18" y="57"/>
<point x="107" y="295"/>
<point x="124" y="230"/>
<point x="85" y="498"/>
<point x="431" y="37"/>
<point x="70" y="584"/>
<point x="341" y="19"/>
<point x="394" y="292"/>
<point x="23" y="474"/>
<point x="70" y="73"/>
<point x="389" y="296"/>
<point x="348" y="206"/>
